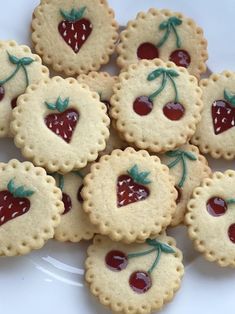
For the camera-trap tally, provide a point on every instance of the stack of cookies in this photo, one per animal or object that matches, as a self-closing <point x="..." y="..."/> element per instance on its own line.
<point x="117" y="159"/>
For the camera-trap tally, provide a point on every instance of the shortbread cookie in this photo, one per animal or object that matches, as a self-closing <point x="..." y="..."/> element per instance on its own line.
<point x="129" y="195"/>
<point x="18" y="68"/>
<point x="211" y="219"/>
<point x="215" y="133"/>
<point x="189" y="168"/>
<point x="102" y="83"/>
<point x="156" y="105"/>
<point x="60" y="124"/>
<point x="75" y="224"/>
<point x="166" y="35"/>
<point x="136" y="278"/>
<point x="74" y="36"/>
<point x="30" y="207"/>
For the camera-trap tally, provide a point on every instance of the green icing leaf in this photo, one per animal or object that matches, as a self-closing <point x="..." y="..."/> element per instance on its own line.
<point x="172" y="73"/>
<point x="139" y="177"/>
<point x="175" y="21"/>
<point x="74" y="15"/>
<point x="163" y="25"/>
<point x="20" y="191"/>
<point x="229" y="97"/>
<point x="28" y="193"/>
<point x="166" y="248"/>
<point x="11" y="186"/>
<point x="190" y="155"/>
<point x="79" y="14"/>
<point x="154" y="74"/>
<point x="50" y="106"/>
<point x="13" y="59"/>
<point x="173" y="153"/>
<point x="61" y="105"/>
<point x="26" y="61"/>
<point x="133" y="172"/>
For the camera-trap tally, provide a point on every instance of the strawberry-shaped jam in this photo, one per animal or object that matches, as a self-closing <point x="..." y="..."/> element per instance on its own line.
<point x="173" y="111"/>
<point x="147" y="51"/>
<point x="142" y="105"/>
<point x="180" y="58"/>
<point x="231" y="233"/>
<point x="131" y="187"/>
<point x="14" y="202"/>
<point x="140" y="281"/>
<point x="67" y="203"/>
<point x="116" y="260"/>
<point x="2" y="93"/>
<point x="75" y="29"/>
<point x="216" y="206"/>
<point x="64" y="122"/>
<point x="79" y="196"/>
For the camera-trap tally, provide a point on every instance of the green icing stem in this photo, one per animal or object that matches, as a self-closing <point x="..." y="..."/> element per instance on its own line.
<point x="155" y="263"/>
<point x="163" y="85"/>
<point x="61" y="181"/>
<point x="230" y="201"/>
<point x="131" y="255"/>
<point x="170" y="25"/>
<point x="11" y="76"/>
<point x="175" y="88"/>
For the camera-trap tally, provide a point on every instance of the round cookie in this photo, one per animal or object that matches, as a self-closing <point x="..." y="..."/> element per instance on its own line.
<point x="211" y="219"/>
<point x="30" y="207"/>
<point x="136" y="278"/>
<point x="189" y="168"/>
<point x="60" y="124"/>
<point x="75" y="224"/>
<point x="102" y="83"/>
<point x="19" y="68"/>
<point x="156" y="105"/>
<point x="74" y="36"/>
<point x="129" y="195"/>
<point x="215" y="134"/>
<point x="167" y="35"/>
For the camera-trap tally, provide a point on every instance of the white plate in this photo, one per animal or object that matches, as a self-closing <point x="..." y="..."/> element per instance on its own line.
<point x="52" y="279"/>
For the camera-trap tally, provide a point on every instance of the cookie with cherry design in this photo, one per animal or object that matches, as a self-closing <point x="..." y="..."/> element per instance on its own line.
<point x="75" y="224"/>
<point x="167" y="35"/>
<point x="156" y="105"/>
<point x="60" y="124"/>
<point x="211" y="220"/>
<point x="129" y="195"/>
<point x="74" y="36"/>
<point x="102" y="83"/>
<point x="136" y="278"/>
<point x="19" y="68"/>
<point x="189" y="168"/>
<point x="215" y="133"/>
<point x="30" y="207"/>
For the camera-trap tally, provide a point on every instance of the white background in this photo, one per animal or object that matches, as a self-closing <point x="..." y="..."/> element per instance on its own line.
<point x="51" y="280"/>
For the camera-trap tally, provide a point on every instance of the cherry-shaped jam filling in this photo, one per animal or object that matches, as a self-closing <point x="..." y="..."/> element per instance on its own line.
<point x="140" y="281"/>
<point x="67" y="203"/>
<point x="14" y="102"/>
<point x="142" y="105"/>
<point x="147" y="51"/>
<point x="173" y="111"/>
<point x="116" y="260"/>
<point x="231" y="233"/>
<point x="79" y="196"/>
<point x="216" y="206"/>
<point x="179" y="195"/>
<point x="2" y="92"/>
<point x="180" y="58"/>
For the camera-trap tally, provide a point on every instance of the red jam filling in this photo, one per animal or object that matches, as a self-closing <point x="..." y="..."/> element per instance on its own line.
<point x="147" y="51"/>
<point x="223" y="116"/>
<point x="173" y="111"/>
<point x="79" y="196"/>
<point x="2" y="92"/>
<point x="231" y="233"/>
<point x="140" y="281"/>
<point x="216" y="206"/>
<point x="142" y="105"/>
<point x="67" y="203"/>
<point x="116" y="260"/>
<point x="180" y="58"/>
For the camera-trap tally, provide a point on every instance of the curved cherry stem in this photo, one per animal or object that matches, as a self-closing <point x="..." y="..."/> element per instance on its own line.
<point x="61" y="181"/>
<point x="230" y="201"/>
<point x="164" y="80"/>
<point x="131" y="255"/>
<point x="79" y="174"/>
<point x="178" y="41"/>
<point x="11" y="76"/>
<point x="184" y="174"/>
<point x="169" y="25"/>
<point x="165" y="36"/>
<point x="155" y="263"/>
<point x="26" y="74"/>
<point x="175" y="88"/>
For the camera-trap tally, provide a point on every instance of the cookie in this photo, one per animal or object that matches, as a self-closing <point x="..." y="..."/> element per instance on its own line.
<point x="60" y="124"/>
<point x="129" y="195"/>
<point x="136" y="278"/>
<point x="74" y="36"/>
<point x="167" y="35"/>
<point x="75" y="224"/>
<point x="19" y="68"/>
<point x="102" y="83"/>
<point x="189" y="168"/>
<point x="211" y="219"/>
<point x="215" y="134"/>
<point x="30" y="207"/>
<point x="156" y="105"/>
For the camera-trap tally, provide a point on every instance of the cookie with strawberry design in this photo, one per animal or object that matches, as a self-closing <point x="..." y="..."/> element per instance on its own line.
<point x="167" y="35"/>
<point x="211" y="220"/>
<point x="75" y="224"/>
<point x="156" y="105"/>
<point x="215" y="133"/>
<point x="60" y="124"/>
<point x="74" y="36"/>
<point x="19" y="67"/>
<point x="129" y="195"/>
<point x="189" y="168"/>
<point x="136" y="278"/>
<point x="102" y="83"/>
<point x="30" y="207"/>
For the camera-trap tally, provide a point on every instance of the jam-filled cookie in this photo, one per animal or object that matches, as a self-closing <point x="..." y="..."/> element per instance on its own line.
<point x="19" y="67"/>
<point x="167" y="35"/>
<point x="129" y="195"/>
<point x="74" y="36"/>
<point x="30" y="207"/>
<point x="156" y="105"/>
<point x="136" y="278"/>
<point x="215" y="133"/>
<point x="60" y="124"/>
<point x="189" y="168"/>
<point x="211" y="219"/>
